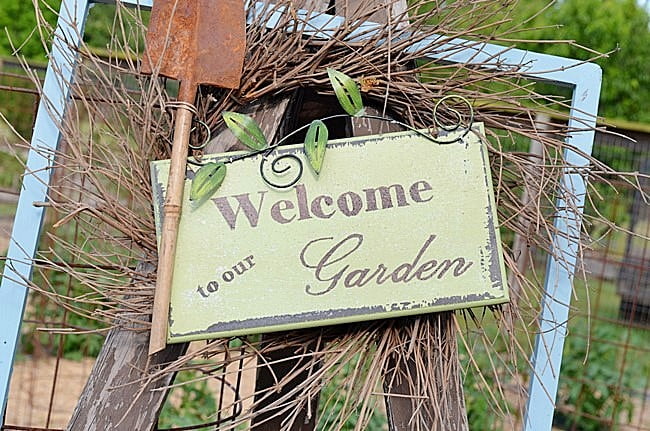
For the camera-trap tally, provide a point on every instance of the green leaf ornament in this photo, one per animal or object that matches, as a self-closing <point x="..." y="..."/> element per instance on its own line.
<point x="347" y="92"/>
<point x="246" y="130"/>
<point x="207" y="180"/>
<point x="316" y="144"/>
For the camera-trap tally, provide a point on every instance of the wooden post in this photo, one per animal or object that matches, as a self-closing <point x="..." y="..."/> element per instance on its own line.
<point x="405" y="382"/>
<point x="111" y="400"/>
<point x="269" y="117"/>
<point x="520" y="246"/>
<point x="274" y="420"/>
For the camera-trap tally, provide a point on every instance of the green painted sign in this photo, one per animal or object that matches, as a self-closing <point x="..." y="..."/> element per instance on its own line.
<point x="394" y="225"/>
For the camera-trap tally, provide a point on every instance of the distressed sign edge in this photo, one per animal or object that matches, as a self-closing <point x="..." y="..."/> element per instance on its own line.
<point x="352" y="318"/>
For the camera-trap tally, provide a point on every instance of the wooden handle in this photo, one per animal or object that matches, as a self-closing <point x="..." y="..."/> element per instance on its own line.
<point x="169" y="233"/>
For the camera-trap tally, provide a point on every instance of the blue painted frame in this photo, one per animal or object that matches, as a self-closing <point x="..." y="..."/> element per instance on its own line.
<point x="583" y="78"/>
<point x="29" y="218"/>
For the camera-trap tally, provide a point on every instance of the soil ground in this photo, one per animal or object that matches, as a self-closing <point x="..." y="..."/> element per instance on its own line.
<point x="31" y="391"/>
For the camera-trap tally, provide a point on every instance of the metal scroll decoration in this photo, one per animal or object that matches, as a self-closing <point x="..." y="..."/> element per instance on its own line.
<point x="289" y="167"/>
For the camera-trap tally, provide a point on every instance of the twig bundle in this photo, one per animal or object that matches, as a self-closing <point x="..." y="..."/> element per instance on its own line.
<point x="102" y="223"/>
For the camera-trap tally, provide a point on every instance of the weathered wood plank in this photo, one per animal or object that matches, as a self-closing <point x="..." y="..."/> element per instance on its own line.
<point x="110" y="400"/>
<point x="269" y="118"/>
<point x="385" y="9"/>
<point x="520" y="245"/>
<point x="444" y="408"/>
<point x="267" y="112"/>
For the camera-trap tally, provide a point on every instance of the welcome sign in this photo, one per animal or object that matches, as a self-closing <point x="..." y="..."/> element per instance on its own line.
<point x="394" y="225"/>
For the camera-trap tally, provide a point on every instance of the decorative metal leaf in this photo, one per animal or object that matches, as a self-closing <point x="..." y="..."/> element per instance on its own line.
<point x="246" y="130"/>
<point x="316" y="144"/>
<point x="347" y="92"/>
<point x="207" y="180"/>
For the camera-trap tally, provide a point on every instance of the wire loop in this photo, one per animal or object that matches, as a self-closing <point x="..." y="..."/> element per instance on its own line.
<point x="458" y="119"/>
<point x="208" y="136"/>
<point x="279" y="170"/>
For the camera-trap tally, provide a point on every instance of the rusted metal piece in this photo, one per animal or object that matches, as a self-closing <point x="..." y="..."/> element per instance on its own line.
<point x="196" y="42"/>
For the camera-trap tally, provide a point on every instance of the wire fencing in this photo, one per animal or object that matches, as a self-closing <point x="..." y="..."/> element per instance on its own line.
<point x="605" y="376"/>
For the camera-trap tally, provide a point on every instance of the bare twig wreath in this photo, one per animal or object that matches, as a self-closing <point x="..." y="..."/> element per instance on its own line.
<point x="210" y="176"/>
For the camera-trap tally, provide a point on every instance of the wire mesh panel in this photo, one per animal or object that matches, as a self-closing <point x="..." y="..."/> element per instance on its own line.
<point x="53" y="366"/>
<point x="605" y="377"/>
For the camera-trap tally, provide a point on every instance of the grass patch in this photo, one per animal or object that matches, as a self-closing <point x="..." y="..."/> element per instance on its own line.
<point x="11" y="171"/>
<point x="605" y="364"/>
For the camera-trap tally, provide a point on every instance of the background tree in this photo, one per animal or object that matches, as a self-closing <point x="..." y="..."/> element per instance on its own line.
<point x="18" y="32"/>
<point x="621" y="26"/>
<point x="601" y="25"/>
<point x="18" y="25"/>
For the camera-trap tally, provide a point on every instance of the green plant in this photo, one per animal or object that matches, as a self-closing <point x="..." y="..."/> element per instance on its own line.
<point x="483" y="411"/>
<point x="613" y="202"/>
<point x="11" y="171"/>
<point x="18" y="17"/>
<point x="16" y="107"/>
<point x="43" y="309"/>
<point x="593" y="389"/>
<point x="332" y="404"/>
<point x="480" y="412"/>
<point x="191" y="403"/>
<point x="57" y="306"/>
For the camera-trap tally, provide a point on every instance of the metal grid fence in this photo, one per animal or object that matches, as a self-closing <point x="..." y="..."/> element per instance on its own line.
<point x="605" y="376"/>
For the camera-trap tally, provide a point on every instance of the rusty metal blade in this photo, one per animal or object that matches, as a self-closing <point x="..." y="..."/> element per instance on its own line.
<point x="197" y="41"/>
